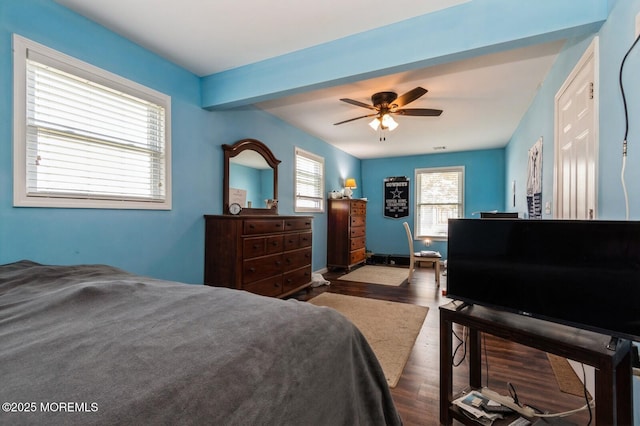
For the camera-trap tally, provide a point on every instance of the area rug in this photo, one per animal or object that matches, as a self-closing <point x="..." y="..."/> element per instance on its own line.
<point x="567" y="379"/>
<point x="385" y="275"/>
<point x="391" y="328"/>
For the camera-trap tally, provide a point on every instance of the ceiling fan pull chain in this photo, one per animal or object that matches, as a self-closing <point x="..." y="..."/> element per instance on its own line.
<point x="383" y="138"/>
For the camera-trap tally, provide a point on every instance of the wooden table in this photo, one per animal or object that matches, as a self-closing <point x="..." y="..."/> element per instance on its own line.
<point x="613" y="386"/>
<point x="433" y="260"/>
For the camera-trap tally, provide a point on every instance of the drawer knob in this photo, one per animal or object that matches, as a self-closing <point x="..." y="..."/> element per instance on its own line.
<point x="252" y="269"/>
<point x="251" y="226"/>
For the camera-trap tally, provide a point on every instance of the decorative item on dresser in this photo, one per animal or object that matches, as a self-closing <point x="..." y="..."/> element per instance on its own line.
<point x="267" y="255"/>
<point x="346" y="233"/>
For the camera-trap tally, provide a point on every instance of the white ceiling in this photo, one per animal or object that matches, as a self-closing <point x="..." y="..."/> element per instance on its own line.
<point x="483" y="98"/>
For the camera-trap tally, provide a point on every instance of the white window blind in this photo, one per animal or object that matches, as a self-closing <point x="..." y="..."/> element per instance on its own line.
<point x="309" y="182"/>
<point x="439" y="197"/>
<point x="89" y="141"/>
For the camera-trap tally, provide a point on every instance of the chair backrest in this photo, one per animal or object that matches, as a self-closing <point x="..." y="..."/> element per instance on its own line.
<point x="409" y="237"/>
<point x="411" y="253"/>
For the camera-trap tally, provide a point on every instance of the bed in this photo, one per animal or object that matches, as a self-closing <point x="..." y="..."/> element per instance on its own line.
<point x="92" y="344"/>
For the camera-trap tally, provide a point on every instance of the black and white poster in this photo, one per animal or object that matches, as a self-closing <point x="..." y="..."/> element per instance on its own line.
<point x="396" y="197"/>
<point x="534" y="181"/>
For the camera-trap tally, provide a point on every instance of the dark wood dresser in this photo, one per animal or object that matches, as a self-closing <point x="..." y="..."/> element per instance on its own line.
<point x="267" y="255"/>
<point x="346" y="237"/>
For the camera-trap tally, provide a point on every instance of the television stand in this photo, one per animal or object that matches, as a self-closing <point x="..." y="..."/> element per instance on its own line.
<point x="463" y="305"/>
<point x="613" y="372"/>
<point x="613" y="344"/>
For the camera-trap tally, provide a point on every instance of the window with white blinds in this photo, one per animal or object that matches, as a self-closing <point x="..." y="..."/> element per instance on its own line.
<point x="309" y="182"/>
<point x="90" y="138"/>
<point x="439" y="197"/>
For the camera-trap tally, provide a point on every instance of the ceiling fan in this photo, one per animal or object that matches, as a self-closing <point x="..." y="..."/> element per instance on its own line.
<point x="387" y="103"/>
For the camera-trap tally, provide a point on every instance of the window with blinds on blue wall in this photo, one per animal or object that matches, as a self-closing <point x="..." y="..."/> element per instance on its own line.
<point x="91" y="144"/>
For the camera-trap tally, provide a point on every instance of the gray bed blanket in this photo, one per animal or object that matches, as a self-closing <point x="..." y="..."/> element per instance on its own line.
<point x="92" y="344"/>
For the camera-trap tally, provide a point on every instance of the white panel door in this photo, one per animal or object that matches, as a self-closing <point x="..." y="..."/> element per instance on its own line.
<point x="576" y="141"/>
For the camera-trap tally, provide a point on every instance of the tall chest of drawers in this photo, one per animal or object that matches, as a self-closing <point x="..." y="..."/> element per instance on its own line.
<point x="346" y="237"/>
<point x="267" y="255"/>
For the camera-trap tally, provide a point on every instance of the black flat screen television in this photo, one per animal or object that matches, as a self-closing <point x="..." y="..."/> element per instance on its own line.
<point x="584" y="274"/>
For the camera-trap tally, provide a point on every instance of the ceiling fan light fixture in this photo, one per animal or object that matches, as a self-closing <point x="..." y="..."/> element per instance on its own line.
<point x="388" y="122"/>
<point x="386" y="103"/>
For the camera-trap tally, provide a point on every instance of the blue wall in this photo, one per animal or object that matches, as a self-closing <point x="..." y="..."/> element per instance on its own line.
<point x="484" y="191"/>
<point x="163" y="244"/>
<point x="615" y="38"/>
<point x="169" y="244"/>
<point x="159" y="243"/>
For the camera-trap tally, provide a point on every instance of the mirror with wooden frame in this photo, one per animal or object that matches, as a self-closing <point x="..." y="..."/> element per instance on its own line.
<point x="250" y="178"/>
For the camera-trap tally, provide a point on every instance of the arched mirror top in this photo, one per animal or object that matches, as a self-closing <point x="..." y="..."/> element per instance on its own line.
<point x="255" y="145"/>
<point x="250" y="178"/>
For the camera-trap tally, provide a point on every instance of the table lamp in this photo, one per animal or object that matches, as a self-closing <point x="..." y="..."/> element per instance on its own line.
<point x="349" y="186"/>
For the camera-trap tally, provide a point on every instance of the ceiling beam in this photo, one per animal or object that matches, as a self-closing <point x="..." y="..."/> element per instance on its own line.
<point x="470" y="29"/>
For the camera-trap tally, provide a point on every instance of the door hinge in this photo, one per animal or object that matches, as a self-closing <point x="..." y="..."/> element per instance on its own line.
<point x="591" y="90"/>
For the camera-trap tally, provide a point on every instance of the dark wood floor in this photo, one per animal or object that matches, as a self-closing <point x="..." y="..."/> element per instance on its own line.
<point x="417" y="394"/>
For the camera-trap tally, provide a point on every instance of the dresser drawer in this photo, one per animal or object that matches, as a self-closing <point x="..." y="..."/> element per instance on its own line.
<point x="358" y="208"/>
<point x="297" y="258"/>
<point x="261" y="267"/>
<point x="306" y="239"/>
<point x="297" y="224"/>
<point x="356" y="256"/>
<point x="297" y="240"/>
<point x="359" y="231"/>
<point x="260" y="246"/>
<point x="358" y="221"/>
<point x="274" y="244"/>
<point x="357" y="243"/>
<point x="269" y="287"/>
<point x="291" y="241"/>
<point x="297" y="278"/>
<point x="262" y="226"/>
<point x="253" y="247"/>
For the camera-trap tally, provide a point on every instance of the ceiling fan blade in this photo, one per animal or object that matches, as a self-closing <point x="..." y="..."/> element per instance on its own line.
<point x="421" y="112"/>
<point x="353" y="119"/>
<point x="410" y="96"/>
<point x="358" y="103"/>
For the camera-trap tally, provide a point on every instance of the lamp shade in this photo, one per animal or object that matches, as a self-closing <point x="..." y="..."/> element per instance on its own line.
<point x="350" y="183"/>
<point x="385" y="122"/>
<point x="388" y="122"/>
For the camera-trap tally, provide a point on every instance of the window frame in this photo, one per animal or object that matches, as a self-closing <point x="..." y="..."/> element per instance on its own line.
<point x="418" y="203"/>
<point x="299" y="152"/>
<point x="47" y="56"/>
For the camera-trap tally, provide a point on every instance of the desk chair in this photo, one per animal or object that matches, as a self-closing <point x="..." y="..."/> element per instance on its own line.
<point x="417" y="258"/>
<point x="411" y="252"/>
